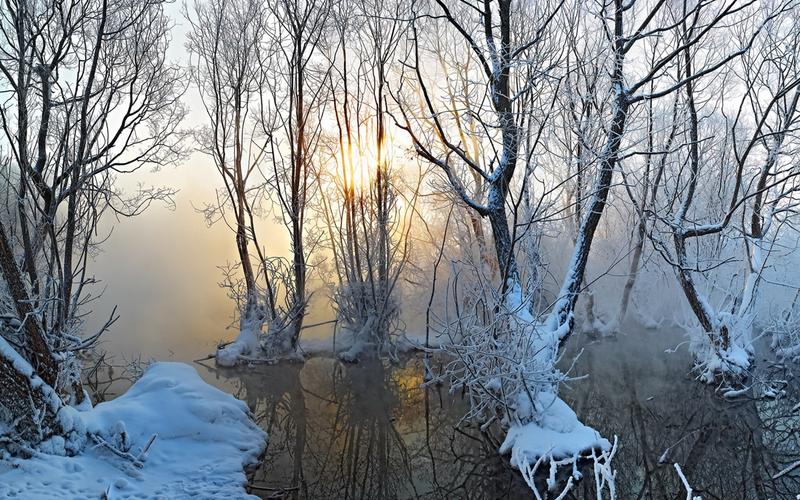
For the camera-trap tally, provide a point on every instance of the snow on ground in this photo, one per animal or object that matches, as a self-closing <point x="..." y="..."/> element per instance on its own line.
<point x="205" y="438"/>
<point x="246" y="344"/>
<point x="230" y="355"/>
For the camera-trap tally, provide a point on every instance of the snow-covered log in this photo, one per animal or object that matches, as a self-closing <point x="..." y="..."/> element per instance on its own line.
<point x="38" y="350"/>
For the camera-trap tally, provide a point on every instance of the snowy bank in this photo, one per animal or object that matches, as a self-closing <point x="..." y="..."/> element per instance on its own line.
<point x="204" y="440"/>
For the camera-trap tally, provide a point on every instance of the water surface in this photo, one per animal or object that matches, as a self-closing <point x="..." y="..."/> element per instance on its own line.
<point x="371" y="430"/>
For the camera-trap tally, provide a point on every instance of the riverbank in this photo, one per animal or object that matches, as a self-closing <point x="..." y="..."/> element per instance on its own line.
<point x="170" y="435"/>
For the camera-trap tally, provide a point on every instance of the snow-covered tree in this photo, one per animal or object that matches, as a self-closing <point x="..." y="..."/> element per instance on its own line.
<point x="738" y="170"/>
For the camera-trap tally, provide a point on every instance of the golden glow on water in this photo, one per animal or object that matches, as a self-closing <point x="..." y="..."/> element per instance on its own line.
<point x="368" y="430"/>
<point x="407" y="381"/>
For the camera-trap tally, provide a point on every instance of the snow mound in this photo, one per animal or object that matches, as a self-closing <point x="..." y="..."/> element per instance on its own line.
<point x="555" y="434"/>
<point x="712" y="360"/>
<point x="205" y="439"/>
<point x="245" y="344"/>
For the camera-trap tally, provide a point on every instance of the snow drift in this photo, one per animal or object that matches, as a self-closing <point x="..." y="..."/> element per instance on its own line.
<point x="204" y="440"/>
<point x="556" y="434"/>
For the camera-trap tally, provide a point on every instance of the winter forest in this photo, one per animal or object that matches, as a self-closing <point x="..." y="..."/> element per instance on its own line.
<point x="400" y="249"/>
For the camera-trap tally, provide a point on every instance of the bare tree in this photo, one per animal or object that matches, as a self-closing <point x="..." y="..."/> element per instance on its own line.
<point x="366" y="229"/>
<point x="752" y="170"/>
<point x="291" y="117"/>
<point x="229" y="48"/>
<point x="92" y="96"/>
<point x="627" y="94"/>
<point x="510" y="93"/>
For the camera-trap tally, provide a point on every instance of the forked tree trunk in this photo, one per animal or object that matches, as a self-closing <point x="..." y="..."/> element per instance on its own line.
<point x="696" y="301"/>
<point x="648" y="198"/>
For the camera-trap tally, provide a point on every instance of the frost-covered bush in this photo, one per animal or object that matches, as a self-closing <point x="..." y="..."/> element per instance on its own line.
<point x="369" y="314"/>
<point x="785" y="331"/>
<point x="501" y="357"/>
<point x="505" y="361"/>
<point x="267" y="317"/>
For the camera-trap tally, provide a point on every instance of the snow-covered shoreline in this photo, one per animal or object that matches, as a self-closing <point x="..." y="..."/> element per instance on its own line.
<point x="205" y="438"/>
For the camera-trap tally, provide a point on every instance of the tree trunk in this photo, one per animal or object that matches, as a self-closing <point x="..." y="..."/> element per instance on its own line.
<point x="38" y="349"/>
<point x="562" y="313"/>
<point x="29" y="405"/>
<point x="503" y="245"/>
<point x="299" y="265"/>
<point x="562" y="318"/>
<point x="696" y="302"/>
<point x="633" y="272"/>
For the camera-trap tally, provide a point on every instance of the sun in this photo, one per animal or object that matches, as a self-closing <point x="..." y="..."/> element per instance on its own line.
<point x="357" y="163"/>
<point x="355" y="169"/>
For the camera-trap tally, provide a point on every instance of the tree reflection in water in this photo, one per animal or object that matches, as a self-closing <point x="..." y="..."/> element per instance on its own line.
<point x="728" y="449"/>
<point x="367" y="431"/>
<point x="371" y="431"/>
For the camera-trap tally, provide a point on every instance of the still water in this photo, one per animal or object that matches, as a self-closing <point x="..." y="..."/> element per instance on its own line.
<point x="371" y="430"/>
